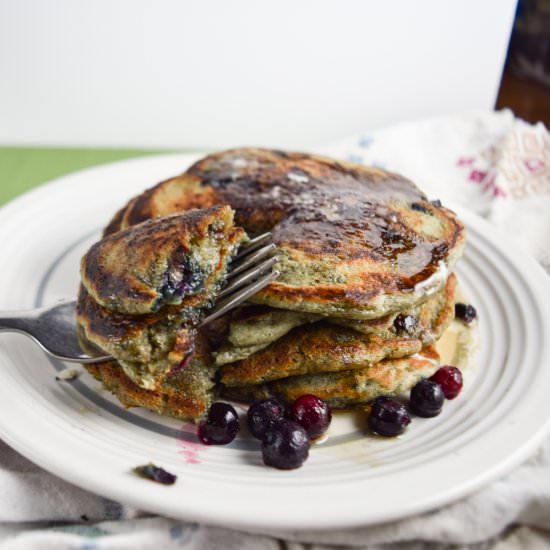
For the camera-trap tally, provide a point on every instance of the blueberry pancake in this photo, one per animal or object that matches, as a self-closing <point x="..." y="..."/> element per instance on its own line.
<point x="185" y="393"/>
<point x="254" y="328"/>
<point x="354" y="242"/>
<point x="322" y="347"/>
<point x="426" y="321"/>
<point x="162" y="261"/>
<point x="345" y="388"/>
<point x="313" y="349"/>
<point x="147" y="347"/>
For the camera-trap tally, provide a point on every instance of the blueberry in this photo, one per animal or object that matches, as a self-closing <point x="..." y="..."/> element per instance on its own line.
<point x="419" y="207"/>
<point x="449" y="379"/>
<point x="285" y="446"/>
<point x="221" y="425"/>
<point x="388" y="417"/>
<point x="262" y="415"/>
<point x="405" y="323"/>
<point x="436" y="203"/>
<point x="312" y="413"/>
<point x="465" y="312"/>
<point x="220" y="182"/>
<point x="184" y="277"/>
<point x="427" y="398"/>
<point x="155" y="473"/>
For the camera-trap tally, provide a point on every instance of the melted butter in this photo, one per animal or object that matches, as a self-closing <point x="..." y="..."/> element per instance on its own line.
<point x="434" y="282"/>
<point x="447" y="346"/>
<point x="458" y="343"/>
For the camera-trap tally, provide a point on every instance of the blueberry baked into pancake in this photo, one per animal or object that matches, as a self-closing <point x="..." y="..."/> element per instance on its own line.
<point x="365" y="288"/>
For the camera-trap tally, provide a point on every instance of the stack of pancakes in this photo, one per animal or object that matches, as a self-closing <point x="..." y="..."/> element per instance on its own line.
<point x="366" y="285"/>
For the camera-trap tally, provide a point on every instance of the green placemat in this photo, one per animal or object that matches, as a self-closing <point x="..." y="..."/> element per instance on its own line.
<point x="24" y="168"/>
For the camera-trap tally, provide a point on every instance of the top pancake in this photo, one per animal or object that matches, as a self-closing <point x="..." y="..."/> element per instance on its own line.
<point x="161" y="261"/>
<point x="353" y="241"/>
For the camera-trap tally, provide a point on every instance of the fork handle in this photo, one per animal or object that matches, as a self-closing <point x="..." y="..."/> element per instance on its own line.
<point x="14" y="321"/>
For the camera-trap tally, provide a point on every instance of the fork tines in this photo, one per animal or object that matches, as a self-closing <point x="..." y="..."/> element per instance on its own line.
<point x="251" y="271"/>
<point x="254" y="244"/>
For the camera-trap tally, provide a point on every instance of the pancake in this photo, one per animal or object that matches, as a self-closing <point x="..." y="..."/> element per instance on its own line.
<point x="426" y="321"/>
<point x="144" y="288"/>
<point x="342" y="389"/>
<point x="365" y="284"/>
<point x="161" y="261"/>
<point x="185" y="394"/>
<point x="255" y="328"/>
<point x="254" y="325"/>
<point x="172" y="196"/>
<point x="147" y="347"/>
<point x="353" y="241"/>
<point x="315" y="348"/>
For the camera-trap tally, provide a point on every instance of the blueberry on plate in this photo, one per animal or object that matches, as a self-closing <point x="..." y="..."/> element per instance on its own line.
<point x="285" y="446"/>
<point x="388" y="417"/>
<point x="312" y="413"/>
<point x="449" y="379"/>
<point x="262" y="415"/>
<point x="427" y="398"/>
<point x="221" y="425"/>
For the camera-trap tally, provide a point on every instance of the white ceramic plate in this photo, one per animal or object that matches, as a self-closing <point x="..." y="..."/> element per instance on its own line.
<point x="79" y="432"/>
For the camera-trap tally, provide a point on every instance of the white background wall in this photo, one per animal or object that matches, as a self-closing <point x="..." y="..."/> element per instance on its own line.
<point x="215" y="73"/>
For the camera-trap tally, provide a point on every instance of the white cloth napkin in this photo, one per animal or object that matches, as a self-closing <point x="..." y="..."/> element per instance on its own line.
<point x="492" y="163"/>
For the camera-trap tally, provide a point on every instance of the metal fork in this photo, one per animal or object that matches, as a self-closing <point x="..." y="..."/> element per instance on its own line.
<point x="54" y="329"/>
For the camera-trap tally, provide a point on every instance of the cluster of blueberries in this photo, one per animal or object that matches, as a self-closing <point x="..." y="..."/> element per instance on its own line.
<point x="285" y="434"/>
<point x="390" y="417"/>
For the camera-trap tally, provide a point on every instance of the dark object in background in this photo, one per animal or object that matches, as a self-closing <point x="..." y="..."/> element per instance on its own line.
<point x="529" y="54"/>
<point x="525" y="84"/>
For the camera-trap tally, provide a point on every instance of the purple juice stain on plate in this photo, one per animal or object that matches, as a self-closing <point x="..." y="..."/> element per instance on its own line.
<point x="190" y="450"/>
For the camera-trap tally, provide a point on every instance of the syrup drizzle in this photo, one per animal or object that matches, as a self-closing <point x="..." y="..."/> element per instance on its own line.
<point x="326" y="208"/>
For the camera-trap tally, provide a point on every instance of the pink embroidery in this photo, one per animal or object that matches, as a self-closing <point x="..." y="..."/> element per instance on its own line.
<point x="491" y="187"/>
<point x="482" y="177"/>
<point x="520" y="160"/>
<point x="533" y="165"/>
<point x="489" y="182"/>
<point x="478" y="175"/>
